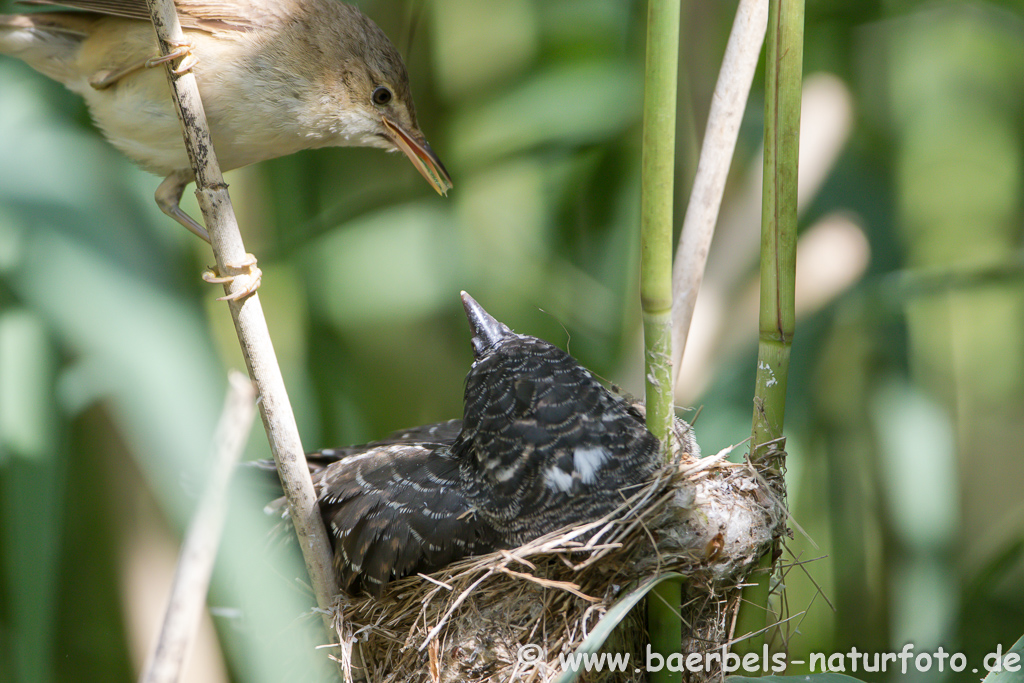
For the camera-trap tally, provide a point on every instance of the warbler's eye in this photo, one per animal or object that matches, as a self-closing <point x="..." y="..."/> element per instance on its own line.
<point x="382" y="95"/>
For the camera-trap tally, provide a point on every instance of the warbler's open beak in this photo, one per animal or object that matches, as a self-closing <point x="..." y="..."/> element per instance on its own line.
<point x="421" y="156"/>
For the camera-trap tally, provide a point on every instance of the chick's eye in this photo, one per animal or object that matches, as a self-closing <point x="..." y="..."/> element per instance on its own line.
<point x="381" y="96"/>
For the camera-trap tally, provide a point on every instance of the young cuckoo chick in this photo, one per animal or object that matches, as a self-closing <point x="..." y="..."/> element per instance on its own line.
<point x="541" y="445"/>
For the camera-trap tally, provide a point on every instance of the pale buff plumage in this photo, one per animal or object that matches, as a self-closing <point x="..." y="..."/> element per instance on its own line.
<point x="275" y="77"/>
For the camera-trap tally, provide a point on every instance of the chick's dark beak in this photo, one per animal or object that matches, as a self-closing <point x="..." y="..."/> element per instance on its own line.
<point x="487" y="332"/>
<point x="421" y="156"/>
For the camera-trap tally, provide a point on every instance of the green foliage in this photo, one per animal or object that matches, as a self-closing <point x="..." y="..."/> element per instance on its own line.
<point x="613" y="617"/>
<point x="905" y="390"/>
<point x="1014" y="672"/>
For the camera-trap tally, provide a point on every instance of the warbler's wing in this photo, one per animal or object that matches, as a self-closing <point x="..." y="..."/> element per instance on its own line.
<point x="205" y="15"/>
<point x="398" y="509"/>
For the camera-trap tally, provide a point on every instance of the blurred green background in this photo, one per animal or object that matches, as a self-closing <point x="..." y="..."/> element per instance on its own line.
<point x="906" y="407"/>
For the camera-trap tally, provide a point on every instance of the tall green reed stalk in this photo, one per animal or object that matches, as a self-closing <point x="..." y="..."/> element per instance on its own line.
<point x="777" y="320"/>
<point x="657" y="194"/>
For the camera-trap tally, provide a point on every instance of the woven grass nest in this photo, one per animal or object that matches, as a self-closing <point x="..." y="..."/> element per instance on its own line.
<point x="708" y="519"/>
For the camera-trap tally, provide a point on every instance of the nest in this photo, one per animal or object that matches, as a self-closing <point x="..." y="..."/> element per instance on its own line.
<point x="705" y="518"/>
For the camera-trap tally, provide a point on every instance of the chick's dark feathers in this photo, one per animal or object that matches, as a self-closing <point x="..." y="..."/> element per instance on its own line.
<point x="542" y="445"/>
<point x="397" y="509"/>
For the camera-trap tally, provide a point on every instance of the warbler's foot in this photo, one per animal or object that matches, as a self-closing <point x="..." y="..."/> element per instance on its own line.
<point x="247" y="269"/>
<point x="102" y="80"/>
<point x="181" y="49"/>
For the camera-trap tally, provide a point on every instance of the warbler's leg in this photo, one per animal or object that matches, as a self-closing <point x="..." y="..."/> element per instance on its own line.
<point x="168" y="198"/>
